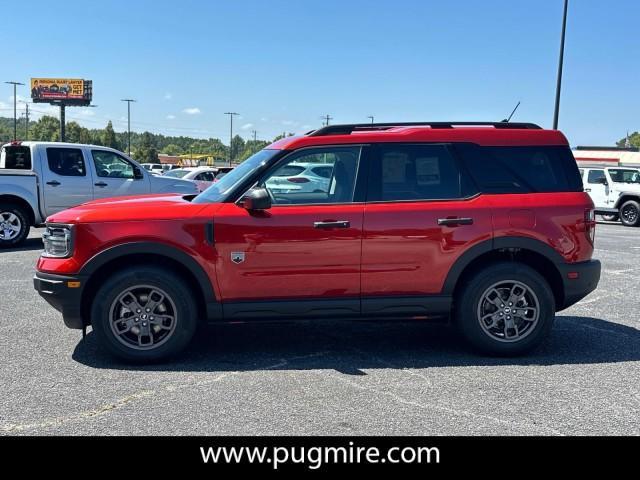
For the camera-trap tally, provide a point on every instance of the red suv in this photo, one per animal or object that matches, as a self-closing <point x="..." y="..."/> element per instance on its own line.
<point x="483" y="223"/>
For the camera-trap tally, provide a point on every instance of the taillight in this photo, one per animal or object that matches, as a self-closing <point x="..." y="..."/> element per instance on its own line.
<point x="298" y="180"/>
<point x="590" y="224"/>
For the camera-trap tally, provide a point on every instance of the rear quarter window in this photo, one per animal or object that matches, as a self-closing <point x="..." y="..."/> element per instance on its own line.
<point x="522" y="169"/>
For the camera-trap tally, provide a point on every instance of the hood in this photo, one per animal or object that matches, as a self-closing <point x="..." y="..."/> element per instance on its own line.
<point x="133" y="208"/>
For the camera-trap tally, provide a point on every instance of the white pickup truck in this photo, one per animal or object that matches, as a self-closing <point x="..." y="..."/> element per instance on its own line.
<point x="38" y="179"/>
<point x="615" y="191"/>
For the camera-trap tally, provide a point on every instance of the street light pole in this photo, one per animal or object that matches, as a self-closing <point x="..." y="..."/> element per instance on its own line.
<point x="15" y="111"/>
<point x="128" y="100"/>
<point x="231" y="115"/>
<point x="560" y="62"/>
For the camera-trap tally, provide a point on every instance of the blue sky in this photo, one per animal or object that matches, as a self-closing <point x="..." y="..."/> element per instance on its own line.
<point x="283" y="63"/>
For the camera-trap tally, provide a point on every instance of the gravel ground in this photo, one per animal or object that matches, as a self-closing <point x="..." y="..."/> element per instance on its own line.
<point x="329" y="377"/>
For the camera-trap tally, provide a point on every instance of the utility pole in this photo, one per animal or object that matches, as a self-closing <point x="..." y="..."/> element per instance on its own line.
<point x="26" y="118"/>
<point x="255" y="135"/>
<point x="560" y="62"/>
<point x="231" y="115"/>
<point x="371" y="117"/>
<point x="326" y="119"/>
<point x="15" y="111"/>
<point x="128" y="100"/>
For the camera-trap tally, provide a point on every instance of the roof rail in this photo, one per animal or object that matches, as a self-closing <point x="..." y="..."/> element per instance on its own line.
<point x="348" y="129"/>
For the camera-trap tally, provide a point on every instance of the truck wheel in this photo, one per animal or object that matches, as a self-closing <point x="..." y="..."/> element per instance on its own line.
<point x="144" y="314"/>
<point x="610" y="218"/>
<point x="630" y="213"/>
<point x="14" y="225"/>
<point x="506" y="309"/>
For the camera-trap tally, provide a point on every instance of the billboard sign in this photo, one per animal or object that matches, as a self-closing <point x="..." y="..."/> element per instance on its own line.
<point x="71" y="91"/>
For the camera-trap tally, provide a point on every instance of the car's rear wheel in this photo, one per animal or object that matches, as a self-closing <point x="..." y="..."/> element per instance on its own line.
<point x="14" y="225"/>
<point x="144" y="314"/>
<point x="630" y="213"/>
<point x="505" y="309"/>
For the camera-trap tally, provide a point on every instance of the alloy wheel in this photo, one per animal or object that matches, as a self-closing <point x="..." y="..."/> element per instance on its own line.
<point x="10" y="225"/>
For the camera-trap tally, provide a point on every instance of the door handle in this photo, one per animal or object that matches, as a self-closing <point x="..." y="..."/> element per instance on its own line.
<point x="587" y="189"/>
<point x="53" y="183"/>
<point x="101" y="184"/>
<point x="332" y="224"/>
<point x="454" y="222"/>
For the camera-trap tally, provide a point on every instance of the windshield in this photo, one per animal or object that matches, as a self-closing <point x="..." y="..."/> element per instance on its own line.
<point x="178" y="173"/>
<point x="624" y="176"/>
<point x="217" y="192"/>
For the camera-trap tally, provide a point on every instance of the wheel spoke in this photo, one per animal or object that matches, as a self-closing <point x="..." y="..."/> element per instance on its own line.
<point x="155" y="298"/>
<point x="161" y="320"/>
<point x="12" y="217"/>
<point x="497" y="300"/>
<point x="128" y="323"/>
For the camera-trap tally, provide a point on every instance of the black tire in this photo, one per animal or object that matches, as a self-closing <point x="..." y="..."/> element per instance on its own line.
<point x="180" y="299"/>
<point x="630" y="213"/>
<point x="470" y="300"/>
<point x="15" y="216"/>
<point x="610" y="218"/>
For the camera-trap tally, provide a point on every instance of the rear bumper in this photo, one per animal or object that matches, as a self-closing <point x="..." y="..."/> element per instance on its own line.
<point x="56" y="291"/>
<point x="579" y="279"/>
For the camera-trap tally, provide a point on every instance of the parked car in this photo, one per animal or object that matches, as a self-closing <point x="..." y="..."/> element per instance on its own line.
<point x="203" y="177"/>
<point x="302" y="177"/>
<point x="615" y="191"/>
<point x="39" y="179"/>
<point x="156" y="168"/>
<point x="487" y="225"/>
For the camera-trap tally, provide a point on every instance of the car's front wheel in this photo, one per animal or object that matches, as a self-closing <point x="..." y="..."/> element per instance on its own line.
<point x="505" y="309"/>
<point x="144" y="314"/>
<point x="630" y="213"/>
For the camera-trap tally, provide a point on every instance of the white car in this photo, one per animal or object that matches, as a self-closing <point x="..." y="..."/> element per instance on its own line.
<point x="302" y="178"/>
<point x="155" y="168"/>
<point x="203" y="177"/>
<point x="615" y="192"/>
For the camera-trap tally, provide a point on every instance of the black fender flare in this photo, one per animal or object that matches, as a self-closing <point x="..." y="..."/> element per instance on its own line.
<point x="154" y="248"/>
<point x="493" y="244"/>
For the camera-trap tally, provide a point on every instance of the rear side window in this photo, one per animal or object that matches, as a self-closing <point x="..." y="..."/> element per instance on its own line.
<point x="67" y="162"/>
<point x="416" y="172"/>
<point x="595" y="176"/>
<point x="522" y="169"/>
<point x="16" y="158"/>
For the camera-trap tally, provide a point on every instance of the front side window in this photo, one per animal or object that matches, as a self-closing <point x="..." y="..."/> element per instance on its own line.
<point x="416" y="172"/>
<point x="596" y="176"/>
<point x="67" y="162"/>
<point x="109" y="164"/>
<point x="620" y="175"/>
<point x="205" y="177"/>
<point x="295" y="182"/>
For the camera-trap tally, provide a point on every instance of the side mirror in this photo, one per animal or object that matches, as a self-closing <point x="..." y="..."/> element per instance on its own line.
<point x="256" y="199"/>
<point x="137" y="174"/>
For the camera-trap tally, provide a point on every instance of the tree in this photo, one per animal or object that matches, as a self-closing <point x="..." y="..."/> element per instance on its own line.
<point x="108" y="137"/>
<point x="237" y="146"/>
<point x="146" y="151"/>
<point x="634" y="140"/>
<point x="172" y="149"/>
<point x="46" y="129"/>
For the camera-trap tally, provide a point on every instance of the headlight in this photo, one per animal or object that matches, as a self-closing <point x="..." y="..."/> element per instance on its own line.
<point x="57" y="241"/>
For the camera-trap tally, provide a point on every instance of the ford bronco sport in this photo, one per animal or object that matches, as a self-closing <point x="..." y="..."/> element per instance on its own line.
<point x="483" y="223"/>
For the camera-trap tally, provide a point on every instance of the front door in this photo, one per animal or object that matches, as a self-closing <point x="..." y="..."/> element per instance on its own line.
<point x="114" y="176"/>
<point x="66" y="180"/>
<point x="302" y="256"/>
<point x="417" y="222"/>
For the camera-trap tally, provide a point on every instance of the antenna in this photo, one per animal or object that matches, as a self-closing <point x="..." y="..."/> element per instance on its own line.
<point x="507" y="120"/>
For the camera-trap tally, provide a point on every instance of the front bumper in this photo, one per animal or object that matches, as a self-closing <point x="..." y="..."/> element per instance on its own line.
<point x="579" y="280"/>
<point x="56" y="291"/>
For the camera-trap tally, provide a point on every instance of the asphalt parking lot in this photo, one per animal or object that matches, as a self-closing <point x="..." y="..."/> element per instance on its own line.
<point x="329" y="377"/>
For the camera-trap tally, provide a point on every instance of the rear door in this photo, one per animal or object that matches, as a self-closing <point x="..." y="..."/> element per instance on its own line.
<point x="420" y="216"/>
<point x="598" y="191"/>
<point x="114" y="176"/>
<point x="67" y="181"/>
